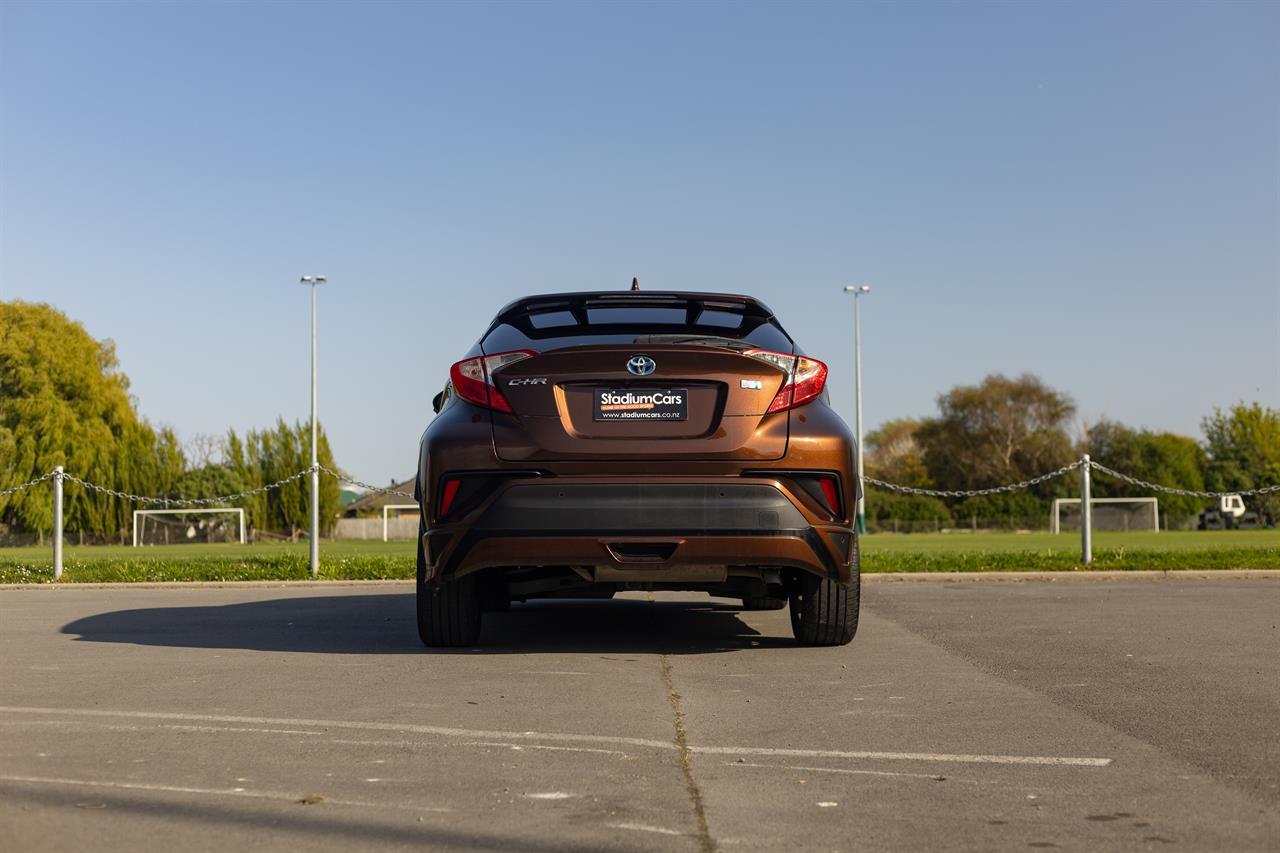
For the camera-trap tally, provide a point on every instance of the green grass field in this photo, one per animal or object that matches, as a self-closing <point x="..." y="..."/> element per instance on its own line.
<point x="885" y="552"/>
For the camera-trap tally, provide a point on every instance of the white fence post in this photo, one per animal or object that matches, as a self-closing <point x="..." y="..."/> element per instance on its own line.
<point x="57" y="522"/>
<point x="1086" y="513"/>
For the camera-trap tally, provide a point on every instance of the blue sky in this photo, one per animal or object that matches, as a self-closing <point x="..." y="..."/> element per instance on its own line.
<point x="1088" y="191"/>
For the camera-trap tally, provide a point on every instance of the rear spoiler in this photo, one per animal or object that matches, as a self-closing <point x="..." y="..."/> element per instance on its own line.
<point x="518" y="313"/>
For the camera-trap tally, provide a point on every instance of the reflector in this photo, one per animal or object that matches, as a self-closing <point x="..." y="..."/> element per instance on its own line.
<point x="447" y="495"/>
<point x="832" y="494"/>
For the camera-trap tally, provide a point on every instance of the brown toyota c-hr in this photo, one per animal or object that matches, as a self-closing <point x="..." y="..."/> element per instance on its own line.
<point x="634" y="440"/>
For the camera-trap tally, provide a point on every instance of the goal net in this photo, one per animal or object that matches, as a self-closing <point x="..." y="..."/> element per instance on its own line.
<point x="402" y="525"/>
<point x="179" y="526"/>
<point x="1108" y="514"/>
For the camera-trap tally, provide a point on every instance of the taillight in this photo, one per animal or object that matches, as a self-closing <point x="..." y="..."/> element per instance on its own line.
<point x="472" y="378"/>
<point x="805" y="378"/>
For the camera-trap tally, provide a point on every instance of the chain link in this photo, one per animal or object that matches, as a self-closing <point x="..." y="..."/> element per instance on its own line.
<point x="894" y="487"/>
<point x="1134" y="481"/>
<point x="27" y="485"/>
<point x="345" y="479"/>
<point x="969" y="493"/>
<point x="187" y="501"/>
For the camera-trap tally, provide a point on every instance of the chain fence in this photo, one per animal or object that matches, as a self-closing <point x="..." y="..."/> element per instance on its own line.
<point x="971" y="493"/>
<point x="1066" y="469"/>
<point x="220" y="499"/>
<point x="181" y="502"/>
<point x="37" y="481"/>
<point x="343" y="478"/>
<point x="883" y="484"/>
<point x="58" y="477"/>
<point x="1193" y="493"/>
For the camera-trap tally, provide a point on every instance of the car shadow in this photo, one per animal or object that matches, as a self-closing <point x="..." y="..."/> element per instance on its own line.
<point x="382" y="624"/>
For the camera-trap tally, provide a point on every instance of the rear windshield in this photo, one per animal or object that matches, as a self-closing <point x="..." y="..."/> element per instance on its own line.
<point x="710" y="323"/>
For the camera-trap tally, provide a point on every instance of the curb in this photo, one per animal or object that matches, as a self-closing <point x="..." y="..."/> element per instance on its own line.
<point x="307" y="584"/>
<point x="870" y="577"/>
<point x="1070" y="576"/>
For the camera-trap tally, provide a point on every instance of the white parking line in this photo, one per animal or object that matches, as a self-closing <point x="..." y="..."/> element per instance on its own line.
<point x="523" y="746"/>
<point x="930" y="776"/>
<point x="223" y="792"/>
<point x="404" y="728"/>
<point x="644" y="827"/>
<point x="565" y="737"/>
<point x="189" y="728"/>
<point x="553" y="672"/>
<point x="904" y="756"/>
<point x="119" y="727"/>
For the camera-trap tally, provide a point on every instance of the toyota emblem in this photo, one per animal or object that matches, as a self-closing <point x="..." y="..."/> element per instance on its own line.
<point x="641" y="365"/>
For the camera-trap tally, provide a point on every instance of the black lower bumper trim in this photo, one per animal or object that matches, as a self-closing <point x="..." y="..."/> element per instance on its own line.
<point x="809" y="535"/>
<point x="642" y="508"/>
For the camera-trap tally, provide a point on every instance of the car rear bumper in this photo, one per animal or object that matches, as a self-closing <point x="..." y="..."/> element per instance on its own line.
<point x="663" y="530"/>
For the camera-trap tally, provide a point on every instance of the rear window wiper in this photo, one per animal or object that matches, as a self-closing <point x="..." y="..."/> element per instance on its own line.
<point x="701" y="340"/>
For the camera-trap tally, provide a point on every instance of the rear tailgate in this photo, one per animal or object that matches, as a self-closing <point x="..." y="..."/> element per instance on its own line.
<point x="712" y="403"/>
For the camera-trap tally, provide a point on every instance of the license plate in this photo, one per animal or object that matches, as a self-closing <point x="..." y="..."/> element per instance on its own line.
<point x="644" y="404"/>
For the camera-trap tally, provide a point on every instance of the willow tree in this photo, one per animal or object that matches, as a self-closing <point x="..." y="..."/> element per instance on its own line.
<point x="65" y="401"/>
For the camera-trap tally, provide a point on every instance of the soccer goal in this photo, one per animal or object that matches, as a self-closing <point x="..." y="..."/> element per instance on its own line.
<point x="174" y="526"/>
<point x="386" y="527"/>
<point x="1108" y="514"/>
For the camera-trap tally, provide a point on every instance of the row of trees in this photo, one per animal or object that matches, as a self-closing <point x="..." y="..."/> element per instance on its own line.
<point x="262" y="457"/>
<point x="1006" y="430"/>
<point x="65" y="401"/>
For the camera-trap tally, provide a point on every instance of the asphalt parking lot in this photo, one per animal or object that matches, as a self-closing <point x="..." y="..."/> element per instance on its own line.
<point x="965" y="716"/>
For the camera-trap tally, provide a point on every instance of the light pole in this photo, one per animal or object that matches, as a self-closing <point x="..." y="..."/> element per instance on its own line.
<point x="860" y="516"/>
<point x="313" y="280"/>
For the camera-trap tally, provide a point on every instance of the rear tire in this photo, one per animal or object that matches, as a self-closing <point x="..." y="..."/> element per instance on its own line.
<point x="825" y="612"/>
<point x="448" y="613"/>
